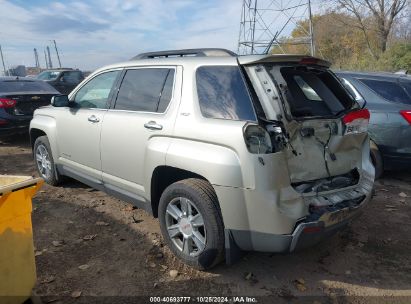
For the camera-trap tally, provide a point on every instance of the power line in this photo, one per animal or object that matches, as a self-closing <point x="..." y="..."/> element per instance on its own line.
<point x="259" y="28"/>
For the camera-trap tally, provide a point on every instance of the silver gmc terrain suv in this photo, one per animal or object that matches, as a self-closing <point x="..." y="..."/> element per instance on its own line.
<point x="231" y="153"/>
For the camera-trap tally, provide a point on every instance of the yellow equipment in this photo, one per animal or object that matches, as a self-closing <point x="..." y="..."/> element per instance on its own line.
<point x="17" y="265"/>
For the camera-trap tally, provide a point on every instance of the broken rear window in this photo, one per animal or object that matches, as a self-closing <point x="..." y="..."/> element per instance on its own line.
<point x="313" y="92"/>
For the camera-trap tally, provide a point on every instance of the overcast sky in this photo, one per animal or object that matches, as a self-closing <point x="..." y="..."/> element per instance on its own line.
<point x="94" y="33"/>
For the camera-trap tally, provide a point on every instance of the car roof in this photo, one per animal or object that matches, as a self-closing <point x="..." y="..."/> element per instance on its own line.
<point x="373" y="75"/>
<point x="61" y="70"/>
<point x="217" y="60"/>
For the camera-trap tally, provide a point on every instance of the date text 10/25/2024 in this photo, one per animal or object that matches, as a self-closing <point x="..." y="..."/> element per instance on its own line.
<point x="234" y="299"/>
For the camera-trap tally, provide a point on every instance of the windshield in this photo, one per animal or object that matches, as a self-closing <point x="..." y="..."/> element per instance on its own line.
<point x="48" y="75"/>
<point x="25" y="86"/>
<point x="311" y="91"/>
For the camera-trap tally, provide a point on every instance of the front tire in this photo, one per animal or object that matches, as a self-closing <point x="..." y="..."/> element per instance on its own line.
<point x="44" y="161"/>
<point x="191" y="223"/>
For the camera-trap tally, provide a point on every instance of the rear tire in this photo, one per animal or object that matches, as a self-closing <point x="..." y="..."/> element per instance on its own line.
<point x="191" y="223"/>
<point x="376" y="160"/>
<point x="44" y="161"/>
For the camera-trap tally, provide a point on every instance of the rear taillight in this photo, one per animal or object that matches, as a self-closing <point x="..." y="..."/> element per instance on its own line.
<point x="356" y="121"/>
<point x="257" y="140"/>
<point x="407" y="115"/>
<point x="7" y="103"/>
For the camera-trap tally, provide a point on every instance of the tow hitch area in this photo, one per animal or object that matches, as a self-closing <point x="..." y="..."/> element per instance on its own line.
<point x="334" y="193"/>
<point x="333" y="214"/>
<point x="326" y="184"/>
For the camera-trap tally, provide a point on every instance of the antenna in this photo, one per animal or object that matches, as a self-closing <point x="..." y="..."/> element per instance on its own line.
<point x="265" y="22"/>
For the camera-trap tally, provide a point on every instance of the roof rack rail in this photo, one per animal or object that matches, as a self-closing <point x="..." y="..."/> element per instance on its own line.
<point x="207" y="52"/>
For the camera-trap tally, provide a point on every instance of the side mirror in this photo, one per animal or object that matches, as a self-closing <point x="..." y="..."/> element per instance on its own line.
<point x="60" y="101"/>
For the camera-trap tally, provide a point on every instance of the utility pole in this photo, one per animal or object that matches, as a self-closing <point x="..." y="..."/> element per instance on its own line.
<point x="2" y="60"/>
<point x="253" y="28"/>
<point x="45" y="59"/>
<point x="50" y="62"/>
<point x="312" y="46"/>
<point x="57" y="52"/>
<point x="36" y="58"/>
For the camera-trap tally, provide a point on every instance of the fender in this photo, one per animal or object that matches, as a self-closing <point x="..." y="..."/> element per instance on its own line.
<point x="47" y="124"/>
<point x="156" y="150"/>
<point x="206" y="159"/>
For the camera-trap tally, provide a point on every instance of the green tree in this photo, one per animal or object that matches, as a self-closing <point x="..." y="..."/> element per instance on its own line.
<point x="346" y="46"/>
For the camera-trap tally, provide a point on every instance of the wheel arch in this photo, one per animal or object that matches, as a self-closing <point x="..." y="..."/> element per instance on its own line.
<point x="42" y="125"/>
<point x="162" y="177"/>
<point x="34" y="134"/>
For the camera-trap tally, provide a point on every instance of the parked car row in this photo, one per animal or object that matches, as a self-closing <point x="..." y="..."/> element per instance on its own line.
<point x="386" y="95"/>
<point x="388" y="98"/>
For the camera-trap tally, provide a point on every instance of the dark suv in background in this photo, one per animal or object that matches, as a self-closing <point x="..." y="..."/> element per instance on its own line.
<point x="388" y="98"/>
<point x="63" y="80"/>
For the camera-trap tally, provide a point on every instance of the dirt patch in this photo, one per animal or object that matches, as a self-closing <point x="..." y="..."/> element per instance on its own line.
<point x="90" y="244"/>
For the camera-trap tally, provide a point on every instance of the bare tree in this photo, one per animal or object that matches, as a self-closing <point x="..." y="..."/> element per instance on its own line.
<point x="382" y="12"/>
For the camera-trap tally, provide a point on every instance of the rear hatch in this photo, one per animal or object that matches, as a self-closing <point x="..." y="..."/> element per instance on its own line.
<point x="314" y="120"/>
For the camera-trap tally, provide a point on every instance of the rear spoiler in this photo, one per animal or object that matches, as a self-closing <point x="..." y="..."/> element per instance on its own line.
<point x="280" y="58"/>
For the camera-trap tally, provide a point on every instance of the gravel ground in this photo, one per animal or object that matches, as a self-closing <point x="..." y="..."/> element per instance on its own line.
<point x="91" y="247"/>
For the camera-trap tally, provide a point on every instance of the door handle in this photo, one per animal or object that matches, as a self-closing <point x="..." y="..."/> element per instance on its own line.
<point x="93" y="119"/>
<point x="152" y="125"/>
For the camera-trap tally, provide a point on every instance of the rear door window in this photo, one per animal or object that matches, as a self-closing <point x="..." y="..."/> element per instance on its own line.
<point x="146" y="90"/>
<point x="390" y="90"/>
<point x="222" y="93"/>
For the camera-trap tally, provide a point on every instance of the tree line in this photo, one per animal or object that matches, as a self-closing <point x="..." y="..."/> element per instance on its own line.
<point x="369" y="35"/>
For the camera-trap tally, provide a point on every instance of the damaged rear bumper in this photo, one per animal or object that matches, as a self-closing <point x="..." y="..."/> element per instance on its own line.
<point x="312" y="229"/>
<point x="310" y="232"/>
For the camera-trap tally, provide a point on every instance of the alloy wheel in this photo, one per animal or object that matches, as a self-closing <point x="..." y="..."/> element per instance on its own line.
<point x="185" y="226"/>
<point x="43" y="161"/>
